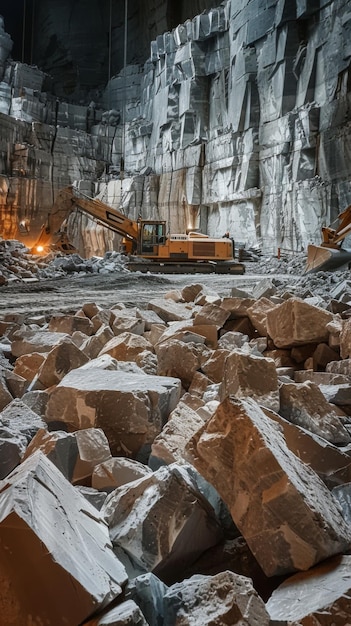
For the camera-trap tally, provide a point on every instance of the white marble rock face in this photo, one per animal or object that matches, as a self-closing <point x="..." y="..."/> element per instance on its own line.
<point x="221" y="122"/>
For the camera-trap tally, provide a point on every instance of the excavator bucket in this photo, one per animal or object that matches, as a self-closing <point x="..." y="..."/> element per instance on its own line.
<point x="323" y="259"/>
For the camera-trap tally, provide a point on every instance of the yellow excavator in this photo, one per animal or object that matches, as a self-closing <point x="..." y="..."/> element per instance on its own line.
<point x="147" y="242"/>
<point x="331" y="254"/>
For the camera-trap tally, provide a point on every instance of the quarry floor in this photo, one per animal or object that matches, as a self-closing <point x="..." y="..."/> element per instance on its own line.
<point x="68" y="294"/>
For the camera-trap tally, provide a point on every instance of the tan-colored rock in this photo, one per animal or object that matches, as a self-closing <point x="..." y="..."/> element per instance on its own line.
<point x="295" y="322"/>
<point x="155" y="333"/>
<point x="28" y="365"/>
<point x="8" y="329"/>
<point x="211" y="314"/>
<point x="308" y="364"/>
<point x="284" y="511"/>
<point x="161" y="521"/>
<point x="207" y="296"/>
<point x="174" y="295"/>
<point x="168" y="447"/>
<point x="170" y="311"/>
<point x="93" y="345"/>
<point x="190" y="292"/>
<point x="257" y="314"/>
<point x="223" y="599"/>
<point x="102" y="318"/>
<point x="60" y="323"/>
<point x="237" y="306"/>
<point x="58" y="362"/>
<point x="79" y="338"/>
<point x="130" y="408"/>
<point x="16" y="385"/>
<point x="90" y="309"/>
<point x="249" y="375"/>
<point x="320" y="378"/>
<point x="209" y="331"/>
<point x="123" y="324"/>
<point x="147" y="361"/>
<point x="320" y="596"/>
<point x="323" y="355"/>
<point x="281" y="358"/>
<point x="214" y="364"/>
<point x="75" y="454"/>
<point x="335" y="328"/>
<point x="340" y="367"/>
<point x="116" y="472"/>
<point x="180" y="360"/>
<point x="67" y="548"/>
<point x="188" y="336"/>
<point x="199" y="385"/>
<point x="301" y="353"/>
<point x="345" y="339"/>
<point x="240" y="325"/>
<point x="28" y="341"/>
<point x="126" y="347"/>
<point x="305" y="405"/>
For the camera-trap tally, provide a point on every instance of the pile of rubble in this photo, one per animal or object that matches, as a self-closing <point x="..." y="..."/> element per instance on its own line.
<point x="18" y="264"/>
<point x="186" y="463"/>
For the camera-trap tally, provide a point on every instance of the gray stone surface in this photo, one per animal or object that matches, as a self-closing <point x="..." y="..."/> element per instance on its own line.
<point x="70" y="542"/>
<point x="243" y="454"/>
<point x="261" y="88"/>
<point x="225" y="598"/>
<point x="130" y="408"/>
<point x="162" y="522"/>
<point x="320" y="596"/>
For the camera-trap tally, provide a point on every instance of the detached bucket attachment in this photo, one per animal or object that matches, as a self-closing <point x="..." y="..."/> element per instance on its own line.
<point x="323" y="259"/>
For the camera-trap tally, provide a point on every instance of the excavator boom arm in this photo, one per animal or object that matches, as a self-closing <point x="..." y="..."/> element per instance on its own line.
<point x="70" y="199"/>
<point x="108" y="216"/>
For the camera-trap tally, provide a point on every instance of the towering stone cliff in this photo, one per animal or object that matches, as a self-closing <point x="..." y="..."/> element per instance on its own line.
<point x="238" y="119"/>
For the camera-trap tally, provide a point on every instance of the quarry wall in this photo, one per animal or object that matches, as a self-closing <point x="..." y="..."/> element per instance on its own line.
<point x="238" y="121"/>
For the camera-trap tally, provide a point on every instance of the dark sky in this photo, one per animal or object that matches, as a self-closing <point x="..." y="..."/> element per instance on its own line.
<point x="16" y="14"/>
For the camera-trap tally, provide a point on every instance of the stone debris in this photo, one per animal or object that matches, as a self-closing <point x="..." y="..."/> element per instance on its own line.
<point x="236" y="110"/>
<point x="127" y="613"/>
<point x="51" y="538"/>
<point x="244" y="455"/>
<point x="76" y="454"/>
<point x="320" y="596"/>
<point x="305" y="404"/>
<point x="115" y="472"/>
<point x="225" y="598"/>
<point x="130" y="408"/>
<point x="214" y="458"/>
<point x="152" y="519"/>
<point x="18" y="264"/>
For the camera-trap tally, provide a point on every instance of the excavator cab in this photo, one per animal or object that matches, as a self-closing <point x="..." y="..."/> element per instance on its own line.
<point x="151" y="235"/>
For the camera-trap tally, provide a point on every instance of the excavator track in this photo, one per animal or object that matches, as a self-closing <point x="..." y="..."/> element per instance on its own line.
<point x="197" y="267"/>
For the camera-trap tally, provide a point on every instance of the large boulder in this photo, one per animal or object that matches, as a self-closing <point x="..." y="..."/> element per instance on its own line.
<point x="56" y="562"/>
<point x="130" y="408"/>
<point x="287" y="515"/>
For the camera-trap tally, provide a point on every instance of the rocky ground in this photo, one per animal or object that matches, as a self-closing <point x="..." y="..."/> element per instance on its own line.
<point x="42" y="284"/>
<point x="173" y="450"/>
